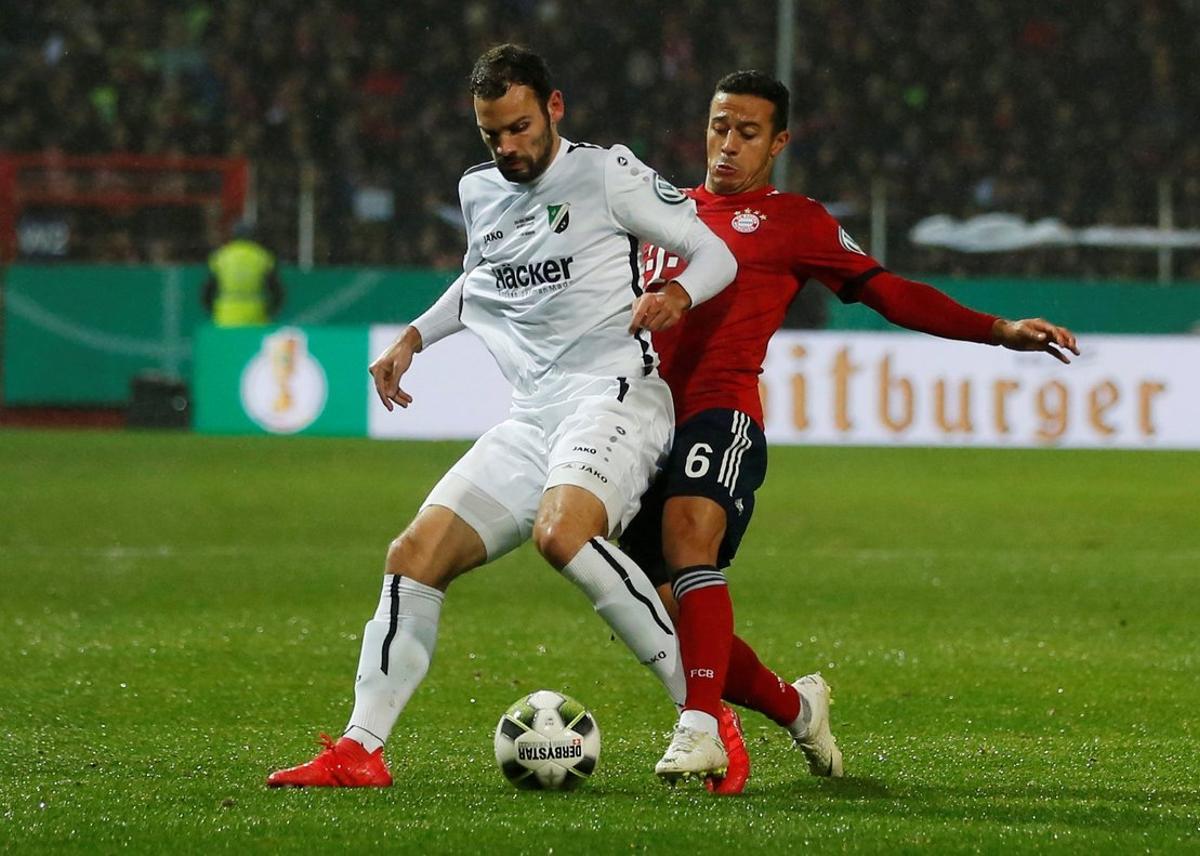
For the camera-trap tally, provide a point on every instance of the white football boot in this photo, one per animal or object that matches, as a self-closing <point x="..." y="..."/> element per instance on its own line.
<point x="811" y="731"/>
<point x="692" y="753"/>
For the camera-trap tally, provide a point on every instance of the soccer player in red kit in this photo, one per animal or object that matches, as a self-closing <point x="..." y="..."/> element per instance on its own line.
<point x="693" y="519"/>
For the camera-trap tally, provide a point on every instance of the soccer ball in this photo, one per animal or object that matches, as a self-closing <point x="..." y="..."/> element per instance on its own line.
<point x="547" y="740"/>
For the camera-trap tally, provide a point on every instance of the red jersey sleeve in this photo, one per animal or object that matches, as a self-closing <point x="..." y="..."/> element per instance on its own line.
<point x="825" y="252"/>
<point x="833" y="257"/>
<point x="923" y="308"/>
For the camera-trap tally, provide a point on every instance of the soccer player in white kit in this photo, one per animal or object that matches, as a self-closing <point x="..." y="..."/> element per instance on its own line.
<point x="549" y="278"/>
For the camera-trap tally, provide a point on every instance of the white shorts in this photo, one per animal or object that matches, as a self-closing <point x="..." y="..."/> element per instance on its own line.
<point x="608" y="436"/>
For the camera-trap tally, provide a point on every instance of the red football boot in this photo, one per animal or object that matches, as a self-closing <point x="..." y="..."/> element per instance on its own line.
<point x="344" y="764"/>
<point x="734" y="780"/>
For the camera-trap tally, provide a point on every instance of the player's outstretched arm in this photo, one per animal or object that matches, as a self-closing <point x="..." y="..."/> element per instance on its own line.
<point x="435" y="323"/>
<point x="1035" y="334"/>
<point x="390" y="366"/>
<point x="921" y="307"/>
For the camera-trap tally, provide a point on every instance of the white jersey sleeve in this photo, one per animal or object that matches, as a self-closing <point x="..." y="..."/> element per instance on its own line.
<point x="442" y="319"/>
<point x="647" y="205"/>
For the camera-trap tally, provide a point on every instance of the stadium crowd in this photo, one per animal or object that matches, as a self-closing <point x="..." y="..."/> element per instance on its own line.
<point x="1062" y="110"/>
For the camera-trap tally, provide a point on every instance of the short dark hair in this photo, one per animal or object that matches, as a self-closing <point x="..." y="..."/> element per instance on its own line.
<point x="507" y="65"/>
<point x="762" y="85"/>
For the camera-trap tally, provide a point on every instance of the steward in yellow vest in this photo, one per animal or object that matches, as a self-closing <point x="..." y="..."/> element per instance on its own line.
<point x="243" y="287"/>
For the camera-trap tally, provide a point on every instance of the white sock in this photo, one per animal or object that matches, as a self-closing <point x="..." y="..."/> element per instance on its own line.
<point x="397" y="645"/>
<point x="625" y="598"/>
<point x="698" y="720"/>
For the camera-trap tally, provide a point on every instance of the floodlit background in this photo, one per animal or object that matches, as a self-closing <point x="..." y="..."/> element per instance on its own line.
<point x="1030" y="160"/>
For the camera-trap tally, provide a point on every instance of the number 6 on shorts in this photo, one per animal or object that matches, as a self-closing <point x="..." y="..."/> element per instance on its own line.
<point x="697" y="463"/>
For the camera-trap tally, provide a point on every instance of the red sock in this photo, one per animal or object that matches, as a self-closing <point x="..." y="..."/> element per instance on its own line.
<point x="751" y="684"/>
<point x="705" y="631"/>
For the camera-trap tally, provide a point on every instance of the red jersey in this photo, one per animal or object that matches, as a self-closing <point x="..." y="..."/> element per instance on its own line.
<point x="714" y="355"/>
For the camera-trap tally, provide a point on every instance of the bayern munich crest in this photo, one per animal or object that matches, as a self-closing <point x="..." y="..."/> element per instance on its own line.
<point x="747" y="220"/>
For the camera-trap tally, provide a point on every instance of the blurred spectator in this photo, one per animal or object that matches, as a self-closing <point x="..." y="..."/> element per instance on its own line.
<point x="243" y="287"/>
<point x="1066" y="110"/>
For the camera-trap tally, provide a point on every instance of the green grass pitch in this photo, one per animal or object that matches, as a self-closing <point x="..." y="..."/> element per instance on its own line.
<point x="1013" y="639"/>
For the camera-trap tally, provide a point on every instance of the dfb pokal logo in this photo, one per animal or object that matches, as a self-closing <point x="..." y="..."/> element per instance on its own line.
<point x="284" y="387"/>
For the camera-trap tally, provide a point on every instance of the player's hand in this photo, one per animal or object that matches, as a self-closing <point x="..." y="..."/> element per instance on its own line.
<point x="660" y="310"/>
<point x="391" y="365"/>
<point x="1035" y="334"/>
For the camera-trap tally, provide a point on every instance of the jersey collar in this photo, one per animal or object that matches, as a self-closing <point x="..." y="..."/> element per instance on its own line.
<point x="706" y="197"/>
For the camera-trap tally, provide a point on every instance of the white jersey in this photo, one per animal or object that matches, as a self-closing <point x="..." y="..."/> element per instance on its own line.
<point x="551" y="269"/>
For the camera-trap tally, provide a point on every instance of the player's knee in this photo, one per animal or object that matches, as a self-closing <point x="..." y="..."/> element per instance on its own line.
<point x="420" y="556"/>
<point x="557" y="541"/>
<point x="690" y="547"/>
<point x="407" y="552"/>
<point x="692" y="535"/>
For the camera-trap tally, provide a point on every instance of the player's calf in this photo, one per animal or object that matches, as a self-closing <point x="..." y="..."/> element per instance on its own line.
<point x="705" y="630"/>
<point x="623" y="596"/>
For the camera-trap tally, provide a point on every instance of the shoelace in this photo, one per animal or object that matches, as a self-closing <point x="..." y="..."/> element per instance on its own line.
<point x="684" y="738"/>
